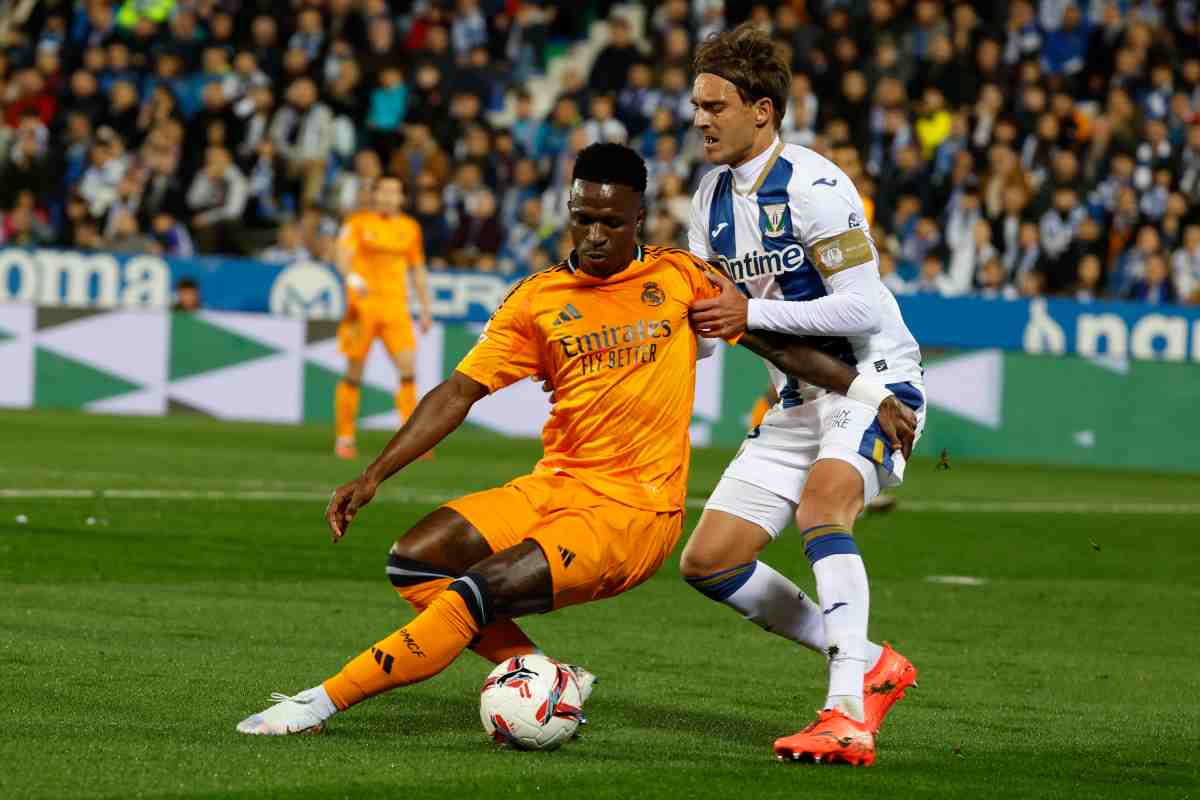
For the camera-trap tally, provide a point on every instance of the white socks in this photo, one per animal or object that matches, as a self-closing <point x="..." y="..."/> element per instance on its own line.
<point x="774" y="603"/>
<point x="845" y="605"/>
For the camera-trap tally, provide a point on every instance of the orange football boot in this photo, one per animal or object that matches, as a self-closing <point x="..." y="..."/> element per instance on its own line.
<point x="884" y="685"/>
<point x="833" y="739"/>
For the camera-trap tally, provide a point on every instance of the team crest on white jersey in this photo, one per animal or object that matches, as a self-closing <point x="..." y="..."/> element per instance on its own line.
<point x="775" y="220"/>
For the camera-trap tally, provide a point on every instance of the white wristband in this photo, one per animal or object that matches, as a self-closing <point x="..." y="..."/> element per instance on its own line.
<point x="864" y="391"/>
<point x="356" y="282"/>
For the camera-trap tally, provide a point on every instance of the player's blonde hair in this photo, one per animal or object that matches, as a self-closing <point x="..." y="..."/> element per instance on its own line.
<point x="751" y="60"/>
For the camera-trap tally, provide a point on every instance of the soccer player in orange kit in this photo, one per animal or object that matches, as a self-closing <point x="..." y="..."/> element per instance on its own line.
<point x="376" y="251"/>
<point x="602" y="510"/>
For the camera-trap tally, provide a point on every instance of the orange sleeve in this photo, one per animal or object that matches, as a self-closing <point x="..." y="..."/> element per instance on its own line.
<point x="348" y="236"/>
<point x="698" y="272"/>
<point x="417" y="253"/>
<point x="508" y="349"/>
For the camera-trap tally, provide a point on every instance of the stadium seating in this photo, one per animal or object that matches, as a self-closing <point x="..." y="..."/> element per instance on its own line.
<point x="1004" y="149"/>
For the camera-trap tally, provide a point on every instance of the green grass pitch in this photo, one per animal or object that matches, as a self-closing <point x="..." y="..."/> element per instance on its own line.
<point x="130" y="647"/>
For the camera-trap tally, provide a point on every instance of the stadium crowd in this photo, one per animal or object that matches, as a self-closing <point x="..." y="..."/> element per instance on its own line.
<point x="1003" y="148"/>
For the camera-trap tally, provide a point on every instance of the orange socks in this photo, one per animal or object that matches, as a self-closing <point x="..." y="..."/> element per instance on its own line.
<point x="345" y="409"/>
<point x="406" y="398"/>
<point x="496" y="642"/>
<point x="419" y="650"/>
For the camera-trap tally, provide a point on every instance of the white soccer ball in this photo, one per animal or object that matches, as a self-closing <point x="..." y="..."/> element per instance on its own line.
<point x="531" y="703"/>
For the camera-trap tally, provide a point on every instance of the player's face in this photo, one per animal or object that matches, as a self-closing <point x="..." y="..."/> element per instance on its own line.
<point x="604" y="224"/>
<point x="729" y="124"/>
<point x="388" y="196"/>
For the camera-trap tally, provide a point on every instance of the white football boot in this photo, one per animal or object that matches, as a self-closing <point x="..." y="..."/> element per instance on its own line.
<point x="586" y="681"/>
<point x="302" y="713"/>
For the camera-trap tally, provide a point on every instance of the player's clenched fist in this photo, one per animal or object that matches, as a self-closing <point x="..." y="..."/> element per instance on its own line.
<point x="899" y="424"/>
<point x="345" y="503"/>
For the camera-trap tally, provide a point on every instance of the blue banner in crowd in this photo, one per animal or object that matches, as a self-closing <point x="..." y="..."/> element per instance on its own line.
<point x="1056" y="327"/>
<point x="314" y="290"/>
<point x="300" y="288"/>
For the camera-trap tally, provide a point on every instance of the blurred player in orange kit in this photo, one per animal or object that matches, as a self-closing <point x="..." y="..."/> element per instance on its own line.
<point x="608" y="329"/>
<point x="376" y="251"/>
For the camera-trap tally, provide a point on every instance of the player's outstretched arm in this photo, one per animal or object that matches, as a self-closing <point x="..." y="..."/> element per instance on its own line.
<point x="437" y="415"/>
<point x="793" y="357"/>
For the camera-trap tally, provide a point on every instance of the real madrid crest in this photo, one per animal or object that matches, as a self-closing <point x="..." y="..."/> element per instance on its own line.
<point x="652" y="295"/>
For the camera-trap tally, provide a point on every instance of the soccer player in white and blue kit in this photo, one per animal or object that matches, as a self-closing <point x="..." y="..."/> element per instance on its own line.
<point x="790" y="229"/>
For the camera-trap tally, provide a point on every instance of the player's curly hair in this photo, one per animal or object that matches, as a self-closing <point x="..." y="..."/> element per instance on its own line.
<point x="608" y="162"/>
<point x="750" y="59"/>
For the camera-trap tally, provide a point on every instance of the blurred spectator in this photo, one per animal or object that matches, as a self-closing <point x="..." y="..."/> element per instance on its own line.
<point x="352" y="189"/>
<point x="25" y="227"/>
<point x="216" y="200"/>
<point x="993" y="284"/>
<point x="1154" y="287"/>
<point x="477" y="239"/>
<point x="98" y="186"/>
<point x="288" y="247"/>
<point x="602" y="126"/>
<point x="388" y="104"/>
<point x="126" y="236"/>
<point x="1089" y="277"/>
<point x="1185" y="265"/>
<point x="435" y="233"/>
<point x="523" y="238"/>
<point x="611" y="67"/>
<point x="932" y="279"/>
<point x="891" y="279"/>
<point x="302" y="132"/>
<point x="187" y="295"/>
<point x="171" y="236"/>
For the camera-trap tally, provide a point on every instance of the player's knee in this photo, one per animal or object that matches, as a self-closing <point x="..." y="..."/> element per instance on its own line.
<point x="406" y="570"/>
<point x="476" y="592"/>
<point x="829" y="506"/>
<point x="698" y="562"/>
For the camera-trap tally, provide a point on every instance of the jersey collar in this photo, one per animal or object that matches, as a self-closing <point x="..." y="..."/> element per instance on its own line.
<point x="573" y="259"/>
<point x="754" y="172"/>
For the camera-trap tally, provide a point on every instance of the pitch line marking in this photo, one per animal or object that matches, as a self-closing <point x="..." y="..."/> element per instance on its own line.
<point x="426" y="496"/>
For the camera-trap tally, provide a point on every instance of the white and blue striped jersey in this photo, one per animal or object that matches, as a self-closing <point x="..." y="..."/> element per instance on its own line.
<point x="764" y="238"/>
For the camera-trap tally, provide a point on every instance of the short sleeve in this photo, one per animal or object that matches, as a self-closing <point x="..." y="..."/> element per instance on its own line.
<point x="508" y="349"/>
<point x="348" y="236"/>
<point x="417" y="254"/>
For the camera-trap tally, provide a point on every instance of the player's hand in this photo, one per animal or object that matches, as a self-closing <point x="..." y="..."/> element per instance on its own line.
<point x="344" y="505"/>
<point x="722" y="317"/>
<point x="547" y="387"/>
<point x="899" y="424"/>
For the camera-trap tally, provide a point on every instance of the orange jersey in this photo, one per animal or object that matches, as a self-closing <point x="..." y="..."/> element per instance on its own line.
<point x="383" y="248"/>
<point x="622" y="358"/>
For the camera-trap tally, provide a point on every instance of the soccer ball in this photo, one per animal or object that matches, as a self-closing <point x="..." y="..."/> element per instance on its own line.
<point x="530" y="703"/>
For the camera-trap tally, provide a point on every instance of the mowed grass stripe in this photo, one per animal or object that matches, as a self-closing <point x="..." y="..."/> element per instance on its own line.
<point x="421" y="497"/>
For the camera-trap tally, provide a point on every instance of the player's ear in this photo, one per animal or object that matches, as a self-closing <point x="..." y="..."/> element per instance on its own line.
<point x="641" y="219"/>
<point x="764" y="112"/>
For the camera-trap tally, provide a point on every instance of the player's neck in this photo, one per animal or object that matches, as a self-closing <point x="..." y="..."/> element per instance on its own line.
<point x="763" y="143"/>
<point x="746" y="171"/>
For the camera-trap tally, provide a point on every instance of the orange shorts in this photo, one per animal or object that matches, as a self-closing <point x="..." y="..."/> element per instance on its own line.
<point x="364" y="323"/>
<point x="596" y="547"/>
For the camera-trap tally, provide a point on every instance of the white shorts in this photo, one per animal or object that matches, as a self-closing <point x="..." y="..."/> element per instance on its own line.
<point x="764" y="481"/>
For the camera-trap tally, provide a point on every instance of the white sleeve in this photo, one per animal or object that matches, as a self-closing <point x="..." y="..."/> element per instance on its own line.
<point x="697" y="237"/>
<point x="829" y="207"/>
<point x="852" y="308"/>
